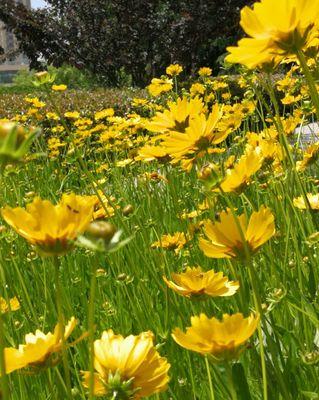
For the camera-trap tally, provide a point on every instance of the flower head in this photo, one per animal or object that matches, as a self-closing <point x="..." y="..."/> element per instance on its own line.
<point x="174" y="69"/>
<point x="131" y="363"/>
<point x="238" y="177"/>
<point x="51" y="227"/>
<point x="231" y="236"/>
<point x="171" y="242"/>
<point x="313" y="200"/>
<point x="39" y="350"/>
<point x="222" y="340"/>
<point x="196" y="282"/>
<point x="159" y="86"/>
<point x="205" y="71"/>
<point x="276" y="35"/>
<point x="177" y="116"/>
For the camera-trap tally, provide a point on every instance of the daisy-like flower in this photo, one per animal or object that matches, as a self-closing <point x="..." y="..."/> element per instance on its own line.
<point x="40" y="350"/>
<point x="276" y="35"/>
<point x="222" y="340"/>
<point x="229" y="237"/>
<point x="238" y="177"/>
<point x="159" y="86"/>
<point x="205" y="71"/>
<point x="174" y="69"/>
<point x="310" y="156"/>
<point x="150" y="153"/>
<point x="196" y="282"/>
<point x="198" y="137"/>
<point x="51" y="228"/>
<point x="177" y="116"/>
<point x="130" y="366"/>
<point x="171" y="242"/>
<point x="313" y="200"/>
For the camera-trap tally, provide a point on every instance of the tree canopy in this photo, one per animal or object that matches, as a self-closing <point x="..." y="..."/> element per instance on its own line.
<point x="140" y="36"/>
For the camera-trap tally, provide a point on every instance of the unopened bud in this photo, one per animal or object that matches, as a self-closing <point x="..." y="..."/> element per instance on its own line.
<point x="101" y="230"/>
<point x="127" y="210"/>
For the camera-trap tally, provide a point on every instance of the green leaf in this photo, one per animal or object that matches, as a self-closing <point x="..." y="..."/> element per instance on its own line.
<point x="240" y="382"/>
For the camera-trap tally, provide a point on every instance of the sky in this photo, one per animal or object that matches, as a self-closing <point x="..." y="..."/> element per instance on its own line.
<point x="37" y="3"/>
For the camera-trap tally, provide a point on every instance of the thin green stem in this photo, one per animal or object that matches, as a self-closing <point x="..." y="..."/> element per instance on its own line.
<point x="4" y="379"/>
<point x="209" y="376"/>
<point x="61" y="319"/>
<point x="258" y="306"/>
<point x="91" y="328"/>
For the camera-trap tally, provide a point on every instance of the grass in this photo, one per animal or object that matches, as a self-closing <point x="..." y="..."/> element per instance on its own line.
<point x="131" y="296"/>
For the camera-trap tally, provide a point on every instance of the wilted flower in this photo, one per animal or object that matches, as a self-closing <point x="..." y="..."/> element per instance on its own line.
<point x="130" y="366"/>
<point x="233" y="234"/>
<point x="221" y="340"/>
<point x="195" y="282"/>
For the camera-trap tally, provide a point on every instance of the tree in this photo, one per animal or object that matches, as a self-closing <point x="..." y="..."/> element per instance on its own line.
<point x="139" y="36"/>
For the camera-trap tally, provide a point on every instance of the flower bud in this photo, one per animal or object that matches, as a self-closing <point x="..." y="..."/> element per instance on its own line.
<point x="127" y="210"/>
<point x="101" y="230"/>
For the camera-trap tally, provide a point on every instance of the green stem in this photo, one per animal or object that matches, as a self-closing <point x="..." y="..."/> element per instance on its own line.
<point x="211" y="388"/>
<point x="91" y="329"/>
<point x="61" y="320"/>
<point x="4" y="379"/>
<point x="310" y="81"/>
<point x="231" y="385"/>
<point x="257" y="301"/>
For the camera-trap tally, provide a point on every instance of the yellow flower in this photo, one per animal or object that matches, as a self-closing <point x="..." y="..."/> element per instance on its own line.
<point x="150" y="153"/>
<point x="197" y="88"/>
<point x="310" y="156"/>
<point x="174" y="69"/>
<point x="238" y="177"/>
<point x="205" y="71"/>
<point x="222" y="340"/>
<point x="51" y="227"/>
<point x="39" y="350"/>
<point x="276" y="35"/>
<point x="290" y="99"/>
<point x="105" y="210"/>
<point x="198" y="137"/>
<point x="177" y="116"/>
<point x="12" y="305"/>
<point x="196" y="282"/>
<point x="72" y="114"/>
<point x="59" y="88"/>
<point x="133" y="360"/>
<point x="159" y="86"/>
<point x="313" y="200"/>
<point x="108" y="112"/>
<point x="229" y="237"/>
<point x="171" y="242"/>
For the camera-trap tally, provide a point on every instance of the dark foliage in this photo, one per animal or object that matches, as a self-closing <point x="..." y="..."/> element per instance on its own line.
<point x="140" y="37"/>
